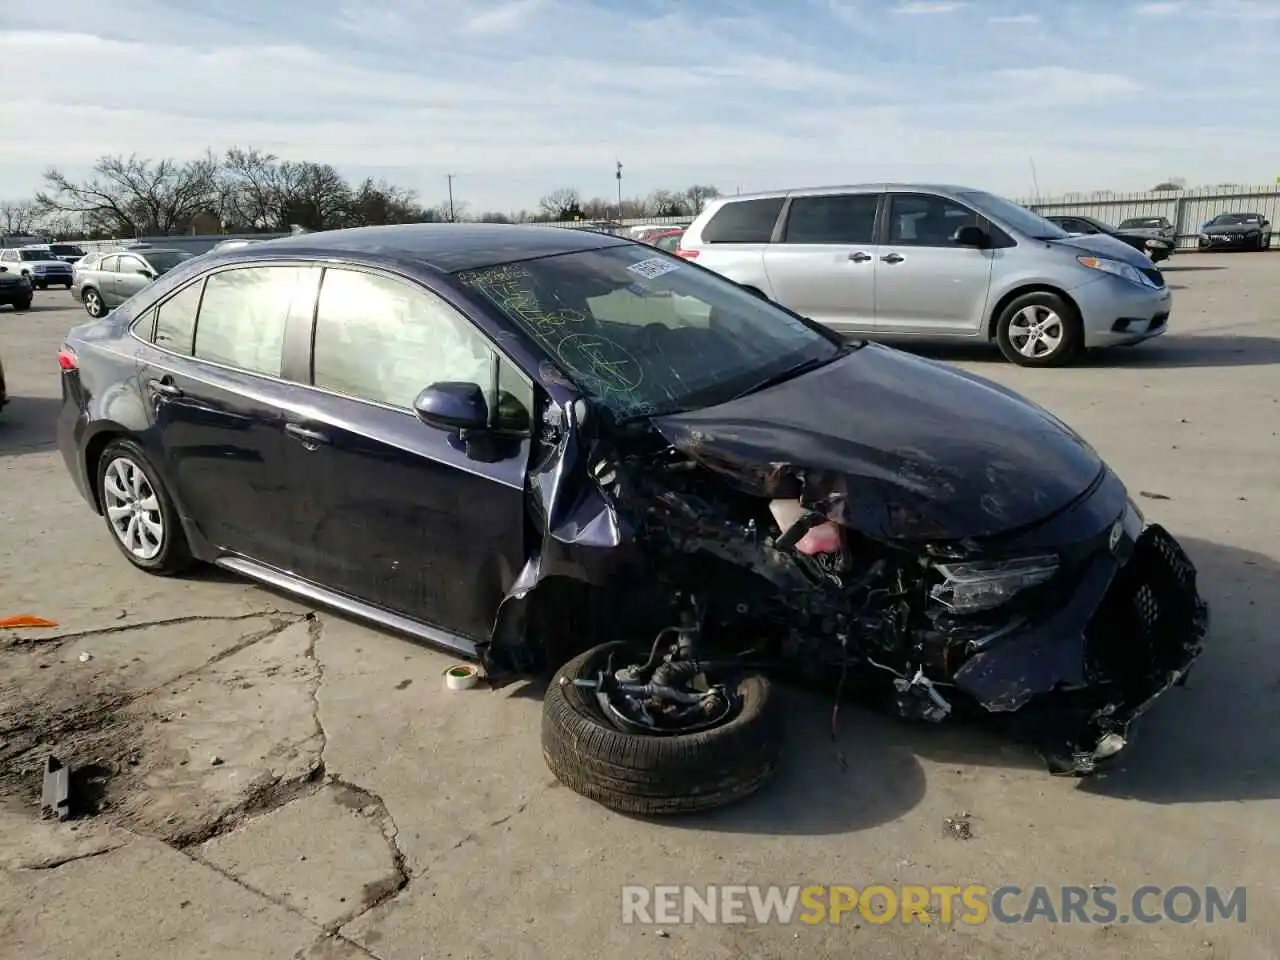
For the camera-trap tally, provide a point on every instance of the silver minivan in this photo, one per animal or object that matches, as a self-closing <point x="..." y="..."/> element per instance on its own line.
<point x="904" y="260"/>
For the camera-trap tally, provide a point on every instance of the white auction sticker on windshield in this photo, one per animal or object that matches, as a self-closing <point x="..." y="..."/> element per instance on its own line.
<point x="653" y="268"/>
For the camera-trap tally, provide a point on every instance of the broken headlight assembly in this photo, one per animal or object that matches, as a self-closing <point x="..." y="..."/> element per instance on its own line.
<point x="974" y="587"/>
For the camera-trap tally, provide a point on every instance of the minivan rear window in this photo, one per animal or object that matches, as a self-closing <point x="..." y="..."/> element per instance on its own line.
<point x="743" y="221"/>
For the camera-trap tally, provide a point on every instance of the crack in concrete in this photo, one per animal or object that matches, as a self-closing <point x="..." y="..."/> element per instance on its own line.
<point x="495" y="823"/>
<point x="310" y="952"/>
<point x="47" y="640"/>
<point x="374" y="894"/>
<point x="63" y="861"/>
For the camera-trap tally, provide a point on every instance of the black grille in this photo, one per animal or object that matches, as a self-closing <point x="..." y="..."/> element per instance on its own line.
<point x="1154" y="275"/>
<point x="1152" y="619"/>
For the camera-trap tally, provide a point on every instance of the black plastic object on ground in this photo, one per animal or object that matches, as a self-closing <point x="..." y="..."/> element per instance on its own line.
<point x="55" y="795"/>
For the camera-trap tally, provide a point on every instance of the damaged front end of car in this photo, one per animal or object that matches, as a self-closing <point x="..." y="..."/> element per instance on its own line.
<point x="1070" y="626"/>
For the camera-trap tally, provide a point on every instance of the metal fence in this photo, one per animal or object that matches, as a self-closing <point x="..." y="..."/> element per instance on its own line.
<point x="1187" y="210"/>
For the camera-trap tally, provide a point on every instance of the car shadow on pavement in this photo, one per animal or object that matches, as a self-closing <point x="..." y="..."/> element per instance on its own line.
<point x="1172" y="351"/>
<point x="29" y="425"/>
<point x="1217" y="738"/>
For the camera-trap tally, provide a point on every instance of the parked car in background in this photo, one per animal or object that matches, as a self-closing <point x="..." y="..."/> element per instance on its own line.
<point x="1159" y="227"/>
<point x="66" y="252"/>
<point x="15" y="288"/>
<point x="232" y="244"/>
<point x="647" y="232"/>
<point x="113" y="279"/>
<point x="39" y="264"/>
<point x="1236" y="231"/>
<point x="1155" y="247"/>
<point x="668" y="240"/>
<point x="902" y="260"/>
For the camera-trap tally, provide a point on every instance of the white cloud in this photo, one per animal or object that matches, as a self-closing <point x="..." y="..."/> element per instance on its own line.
<point x="924" y="7"/>
<point x="518" y="98"/>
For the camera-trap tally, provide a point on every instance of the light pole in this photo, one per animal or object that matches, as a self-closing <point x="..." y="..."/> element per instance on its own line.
<point x="449" y="176"/>
<point x="619" y="176"/>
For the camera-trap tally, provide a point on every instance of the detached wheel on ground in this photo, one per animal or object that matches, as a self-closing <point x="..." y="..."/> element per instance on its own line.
<point x="658" y="774"/>
<point x="139" y="511"/>
<point x="1039" y="329"/>
<point x="93" y="304"/>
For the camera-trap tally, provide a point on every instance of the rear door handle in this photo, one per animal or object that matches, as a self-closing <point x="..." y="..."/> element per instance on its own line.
<point x="164" y="387"/>
<point x="310" y="439"/>
<point x="892" y="258"/>
<point x="859" y="257"/>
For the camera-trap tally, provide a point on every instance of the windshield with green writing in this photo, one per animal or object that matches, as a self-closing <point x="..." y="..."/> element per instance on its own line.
<point x="644" y="333"/>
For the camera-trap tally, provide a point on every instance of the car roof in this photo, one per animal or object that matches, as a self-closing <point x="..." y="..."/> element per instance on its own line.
<point x="448" y="247"/>
<point x="881" y="187"/>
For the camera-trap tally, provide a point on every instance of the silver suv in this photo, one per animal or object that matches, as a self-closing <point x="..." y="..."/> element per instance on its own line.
<point x="900" y="260"/>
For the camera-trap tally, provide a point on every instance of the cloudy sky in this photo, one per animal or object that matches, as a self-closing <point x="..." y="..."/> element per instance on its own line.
<point x="520" y="97"/>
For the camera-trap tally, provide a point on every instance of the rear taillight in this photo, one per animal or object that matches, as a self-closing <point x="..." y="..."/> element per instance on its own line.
<point x="67" y="359"/>
<point x="686" y="254"/>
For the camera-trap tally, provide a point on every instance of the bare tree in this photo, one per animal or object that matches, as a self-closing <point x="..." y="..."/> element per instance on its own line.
<point x="17" y="216"/>
<point x="562" y="204"/>
<point x="667" y="203"/>
<point x="697" y="195"/>
<point x="132" y="196"/>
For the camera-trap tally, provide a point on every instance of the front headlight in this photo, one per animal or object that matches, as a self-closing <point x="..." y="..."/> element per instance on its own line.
<point x="986" y="584"/>
<point x="1117" y="269"/>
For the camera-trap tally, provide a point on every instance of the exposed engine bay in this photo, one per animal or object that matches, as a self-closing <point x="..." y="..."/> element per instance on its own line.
<point x="761" y="575"/>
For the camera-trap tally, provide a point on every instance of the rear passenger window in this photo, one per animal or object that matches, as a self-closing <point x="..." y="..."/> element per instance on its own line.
<point x="109" y="264"/>
<point x="843" y="219"/>
<point x="176" y="320"/>
<point x="244" y="313"/>
<point x="386" y="340"/>
<point x="743" y="221"/>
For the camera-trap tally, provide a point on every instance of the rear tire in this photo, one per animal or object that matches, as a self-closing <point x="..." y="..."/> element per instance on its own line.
<point x="658" y="775"/>
<point x="22" y="305"/>
<point x="139" y="512"/>
<point x="1048" y="322"/>
<point x="93" y="304"/>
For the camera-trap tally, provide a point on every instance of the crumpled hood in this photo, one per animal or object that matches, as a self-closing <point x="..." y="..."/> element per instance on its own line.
<point x="895" y="446"/>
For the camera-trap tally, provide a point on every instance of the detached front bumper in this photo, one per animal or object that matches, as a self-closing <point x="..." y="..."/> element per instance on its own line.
<point x="1141" y="626"/>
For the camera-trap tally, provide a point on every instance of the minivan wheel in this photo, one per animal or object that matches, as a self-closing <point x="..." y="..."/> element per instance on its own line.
<point x="1039" y="329"/>
<point x="93" y="304"/>
<point x="139" y="511"/>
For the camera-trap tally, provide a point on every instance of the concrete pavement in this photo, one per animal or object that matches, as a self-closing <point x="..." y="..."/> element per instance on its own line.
<point x="275" y="781"/>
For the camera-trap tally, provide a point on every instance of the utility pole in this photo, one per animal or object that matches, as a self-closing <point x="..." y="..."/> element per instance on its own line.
<point x="619" y="176"/>
<point x="449" y="176"/>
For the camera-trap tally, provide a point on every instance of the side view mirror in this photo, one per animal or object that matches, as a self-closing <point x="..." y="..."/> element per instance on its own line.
<point x="4" y="269"/>
<point x="970" y="236"/>
<point x="147" y="273"/>
<point x="452" y="406"/>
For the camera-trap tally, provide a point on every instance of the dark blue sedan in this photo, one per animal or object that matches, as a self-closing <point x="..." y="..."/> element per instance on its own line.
<point x="534" y="445"/>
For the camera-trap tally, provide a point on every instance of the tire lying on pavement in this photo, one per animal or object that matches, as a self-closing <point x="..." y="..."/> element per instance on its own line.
<point x="658" y="774"/>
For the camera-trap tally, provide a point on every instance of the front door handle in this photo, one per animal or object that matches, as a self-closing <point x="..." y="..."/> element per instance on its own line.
<point x="892" y="258"/>
<point x="859" y="257"/>
<point x="310" y="439"/>
<point x="165" y="387"/>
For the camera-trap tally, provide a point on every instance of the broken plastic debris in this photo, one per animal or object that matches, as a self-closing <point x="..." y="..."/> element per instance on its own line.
<point x="215" y="761"/>
<point x="25" y="620"/>
<point x="960" y="826"/>
<point x="55" y="793"/>
<point x="86" y="657"/>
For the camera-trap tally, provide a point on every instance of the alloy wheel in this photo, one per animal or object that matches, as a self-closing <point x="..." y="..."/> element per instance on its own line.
<point x="1036" y="331"/>
<point x="133" y="509"/>
<point x="92" y="303"/>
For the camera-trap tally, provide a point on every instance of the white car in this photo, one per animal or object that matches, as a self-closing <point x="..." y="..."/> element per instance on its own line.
<point x="39" y="264"/>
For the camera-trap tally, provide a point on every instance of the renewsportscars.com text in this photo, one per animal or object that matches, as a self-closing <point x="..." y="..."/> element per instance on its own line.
<point x="940" y="903"/>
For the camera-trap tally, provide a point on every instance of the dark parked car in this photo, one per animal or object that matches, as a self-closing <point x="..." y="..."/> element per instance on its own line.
<point x="105" y="283"/>
<point x="1159" y="227"/>
<point x="66" y="252"/>
<point x="15" y="289"/>
<point x="533" y="445"/>
<point x="1156" y="247"/>
<point x="1236" y="231"/>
